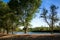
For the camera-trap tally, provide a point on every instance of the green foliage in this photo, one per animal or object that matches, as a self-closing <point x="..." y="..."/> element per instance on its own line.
<point x="25" y="10"/>
<point x="3" y="12"/>
<point x="17" y="12"/>
<point x="37" y="29"/>
<point x="7" y="17"/>
<point x="41" y="29"/>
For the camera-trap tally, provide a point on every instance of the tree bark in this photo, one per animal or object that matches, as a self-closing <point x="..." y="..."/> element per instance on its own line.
<point x="25" y="30"/>
<point x="12" y="30"/>
<point x="3" y="31"/>
<point x="0" y="30"/>
<point x="7" y="30"/>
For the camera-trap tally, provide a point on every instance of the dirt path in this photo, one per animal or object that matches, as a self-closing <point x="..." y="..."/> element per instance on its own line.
<point x="31" y="37"/>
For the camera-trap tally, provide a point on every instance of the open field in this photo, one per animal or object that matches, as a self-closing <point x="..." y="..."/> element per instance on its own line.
<point x="31" y="37"/>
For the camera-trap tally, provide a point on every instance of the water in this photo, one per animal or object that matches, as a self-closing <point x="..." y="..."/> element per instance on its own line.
<point x="33" y="33"/>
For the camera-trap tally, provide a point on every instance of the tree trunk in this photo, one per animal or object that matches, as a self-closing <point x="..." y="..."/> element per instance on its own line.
<point x="52" y="30"/>
<point x="0" y="30"/>
<point x="7" y="31"/>
<point x="52" y="23"/>
<point x="3" y="31"/>
<point x="12" y="30"/>
<point x="25" y="30"/>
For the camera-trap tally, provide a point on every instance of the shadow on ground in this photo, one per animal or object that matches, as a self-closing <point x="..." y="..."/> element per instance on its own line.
<point x="29" y="37"/>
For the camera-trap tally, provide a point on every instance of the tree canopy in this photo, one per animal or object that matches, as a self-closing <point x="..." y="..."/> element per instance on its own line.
<point x="25" y="10"/>
<point x="17" y="12"/>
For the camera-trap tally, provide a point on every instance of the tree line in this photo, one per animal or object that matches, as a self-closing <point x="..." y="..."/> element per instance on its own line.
<point x="20" y="13"/>
<point x="17" y="12"/>
<point x="56" y="29"/>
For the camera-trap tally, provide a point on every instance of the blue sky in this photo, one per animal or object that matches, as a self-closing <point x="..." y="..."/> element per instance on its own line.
<point x="37" y="22"/>
<point x="5" y="1"/>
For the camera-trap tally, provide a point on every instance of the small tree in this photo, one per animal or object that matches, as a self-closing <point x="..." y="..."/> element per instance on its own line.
<point x="3" y="11"/>
<point x="50" y="19"/>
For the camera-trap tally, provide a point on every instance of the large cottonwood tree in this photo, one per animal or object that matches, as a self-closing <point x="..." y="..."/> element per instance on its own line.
<point x="7" y="17"/>
<point x="3" y="11"/>
<point x="24" y="9"/>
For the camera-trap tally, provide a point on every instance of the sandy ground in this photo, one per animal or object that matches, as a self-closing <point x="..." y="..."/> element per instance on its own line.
<point x="31" y="37"/>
